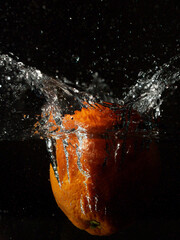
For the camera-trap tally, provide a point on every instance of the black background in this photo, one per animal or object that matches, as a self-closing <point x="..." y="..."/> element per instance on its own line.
<point x="117" y="39"/>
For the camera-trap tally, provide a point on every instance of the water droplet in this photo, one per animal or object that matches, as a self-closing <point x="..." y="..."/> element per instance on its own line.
<point x="75" y="58"/>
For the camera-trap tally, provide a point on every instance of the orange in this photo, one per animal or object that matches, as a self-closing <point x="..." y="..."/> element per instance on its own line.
<point x="106" y="172"/>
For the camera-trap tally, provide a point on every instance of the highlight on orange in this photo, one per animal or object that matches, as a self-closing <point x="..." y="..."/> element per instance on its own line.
<point x="105" y="170"/>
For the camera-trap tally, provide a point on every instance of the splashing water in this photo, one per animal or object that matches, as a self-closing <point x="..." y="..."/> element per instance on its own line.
<point x="17" y="81"/>
<point x="146" y="95"/>
<point x="56" y="96"/>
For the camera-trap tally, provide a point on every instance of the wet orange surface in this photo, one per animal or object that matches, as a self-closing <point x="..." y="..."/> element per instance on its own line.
<point x="105" y="175"/>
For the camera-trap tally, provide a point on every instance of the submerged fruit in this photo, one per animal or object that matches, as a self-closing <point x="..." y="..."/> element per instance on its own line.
<point x="105" y="172"/>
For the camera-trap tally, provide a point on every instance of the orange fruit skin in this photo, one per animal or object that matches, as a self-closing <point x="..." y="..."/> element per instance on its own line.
<point x="104" y="178"/>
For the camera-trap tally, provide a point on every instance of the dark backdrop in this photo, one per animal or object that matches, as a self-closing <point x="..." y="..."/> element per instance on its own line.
<point x="117" y="39"/>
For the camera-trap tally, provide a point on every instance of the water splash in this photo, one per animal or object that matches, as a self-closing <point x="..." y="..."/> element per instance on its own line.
<point x="17" y="81"/>
<point x="58" y="97"/>
<point x="146" y="95"/>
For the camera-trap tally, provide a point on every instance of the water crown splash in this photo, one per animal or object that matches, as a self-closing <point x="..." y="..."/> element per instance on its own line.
<point x="59" y="98"/>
